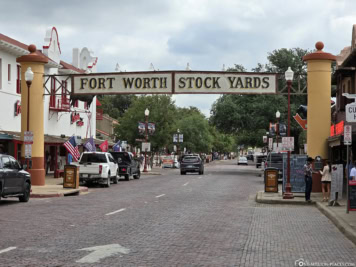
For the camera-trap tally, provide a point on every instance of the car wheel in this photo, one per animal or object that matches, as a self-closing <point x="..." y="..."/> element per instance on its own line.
<point x="116" y="178"/>
<point x="26" y="193"/>
<point x="138" y="175"/>
<point x="127" y="177"/>
<point x="108" y="180"/>
<point x="182" y="173"/>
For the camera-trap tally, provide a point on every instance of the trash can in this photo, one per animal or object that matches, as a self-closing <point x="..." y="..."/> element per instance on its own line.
<point x="71" y="176"/>
<point x="271" y="180"/>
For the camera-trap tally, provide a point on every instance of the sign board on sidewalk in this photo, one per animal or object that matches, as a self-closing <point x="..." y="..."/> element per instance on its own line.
<point x="351" y="112"/>
<point x="146" y="146"/>
<point x="336" y="181"/>
<point x="352" y="195"/>
<point x="347" y="134"/>
<point x="28" y="137"/>
<point x="297" y="181"/>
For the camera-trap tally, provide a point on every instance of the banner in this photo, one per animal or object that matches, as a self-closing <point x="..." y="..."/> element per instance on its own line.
<point x="151" y="128"/>
<point x="89" y="145"/>
<point x="104" y="146"/>
<point x="141" y="128"/>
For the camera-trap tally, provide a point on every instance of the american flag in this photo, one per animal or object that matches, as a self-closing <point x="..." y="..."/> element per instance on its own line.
<point x="72" y="148"/>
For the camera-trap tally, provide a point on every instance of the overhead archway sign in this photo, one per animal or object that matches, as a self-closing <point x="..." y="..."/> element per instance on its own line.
<point x="175" y="82"/>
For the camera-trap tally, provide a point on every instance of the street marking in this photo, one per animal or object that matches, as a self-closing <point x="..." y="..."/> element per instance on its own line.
<point x="101" y="252"/>
<point x="186" y="184"/>
<point x="116" y="211"/>
<point x="160" y="196"/>
<point x="7" y="249"/>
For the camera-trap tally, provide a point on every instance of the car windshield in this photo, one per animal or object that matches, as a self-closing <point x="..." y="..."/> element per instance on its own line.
<point x="119" y="157"/>
<point x="243" y="158"/>
<point x="93" y="158"/>
<point x="190" y="159"/>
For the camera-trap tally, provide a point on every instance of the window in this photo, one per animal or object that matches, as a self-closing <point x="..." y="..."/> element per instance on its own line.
<point x="52" y="100"/>
<point x="18" y="80"/>
<point x="64" y="92"/>
<point x="76" y="103"/>
<point x="9" y="72"/>
<point x="6" y="163"/>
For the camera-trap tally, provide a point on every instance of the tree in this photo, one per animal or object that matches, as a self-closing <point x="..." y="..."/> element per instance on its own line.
<point x="116" y="105"/>
<point x="162" y="113"/>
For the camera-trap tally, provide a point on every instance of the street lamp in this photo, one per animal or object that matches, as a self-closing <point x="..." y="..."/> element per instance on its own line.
<point x="278" y="115"/>
<point x="288" y="192"/>
<point x="147" y="112"/>
<point x="28" y="78"/>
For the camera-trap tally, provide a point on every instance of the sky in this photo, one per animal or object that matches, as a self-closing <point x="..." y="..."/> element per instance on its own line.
<point x="171" y="33"/>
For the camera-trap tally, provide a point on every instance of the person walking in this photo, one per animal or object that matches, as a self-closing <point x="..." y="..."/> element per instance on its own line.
<point x="308" y="173"/>
<point x="353" y="172"/>
<point x="326" y="180"/>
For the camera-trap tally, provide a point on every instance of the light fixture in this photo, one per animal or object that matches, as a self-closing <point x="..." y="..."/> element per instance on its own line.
<point x="289" y="74"/>
<point x="278" y="114"/>
<point x="147" y="112"/>
<point x="29" y="75"/>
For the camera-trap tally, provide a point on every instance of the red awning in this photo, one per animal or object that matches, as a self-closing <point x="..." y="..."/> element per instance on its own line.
<point x="98" y="102"/>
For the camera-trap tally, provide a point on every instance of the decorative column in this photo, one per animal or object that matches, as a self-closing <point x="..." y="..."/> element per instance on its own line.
<point x="33" y="111"/>
<point x="319" y="95"/>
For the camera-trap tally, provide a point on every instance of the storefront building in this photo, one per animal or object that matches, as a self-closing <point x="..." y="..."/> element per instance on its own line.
<point x="61" y="119"/>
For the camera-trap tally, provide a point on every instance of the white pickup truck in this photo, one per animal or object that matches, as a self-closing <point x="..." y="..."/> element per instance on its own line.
<point x="97" y="167"/>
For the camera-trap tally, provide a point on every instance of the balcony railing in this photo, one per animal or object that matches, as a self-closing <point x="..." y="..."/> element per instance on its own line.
<point x="99" y="114"/>
<point x="61" y="104"/>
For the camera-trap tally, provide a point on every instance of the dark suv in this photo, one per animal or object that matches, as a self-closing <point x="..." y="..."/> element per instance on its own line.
<point x="14" y="181"/>
<point x="128" y="165"/>
<point x="191" y="163"/>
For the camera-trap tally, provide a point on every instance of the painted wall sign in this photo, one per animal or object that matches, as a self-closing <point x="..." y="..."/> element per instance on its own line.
<point x="173" y="82"/>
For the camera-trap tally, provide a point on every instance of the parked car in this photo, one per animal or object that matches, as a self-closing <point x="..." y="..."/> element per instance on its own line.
<point x="259" y="159"/>
<point x="128" y="165"/>
<point x="275" y="160"/>
<point x="191" y="163"/>
<point x="242" y="161"/>
<point x="14" y="180"/>
<point x="97" y="167"/>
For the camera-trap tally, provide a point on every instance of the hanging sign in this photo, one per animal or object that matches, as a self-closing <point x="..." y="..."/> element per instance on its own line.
<point x="175" y="82"/>
<point x="347" y="134"/>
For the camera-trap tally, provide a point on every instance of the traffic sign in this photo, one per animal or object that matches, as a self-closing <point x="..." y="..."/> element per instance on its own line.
<point x="288" y="143"/>
<point x="347" y="134"/>
<point x="351" y="112"/>
<point x="28" y="137"/>
<point x="28" y="151"/>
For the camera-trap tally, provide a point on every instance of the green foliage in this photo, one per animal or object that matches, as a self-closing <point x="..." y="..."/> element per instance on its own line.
<point x="116" y="105"/>
<point x="162" y="113"/>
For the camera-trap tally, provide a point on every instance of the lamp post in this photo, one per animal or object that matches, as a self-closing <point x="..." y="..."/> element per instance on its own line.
<point x="288" y="192"/>
<point x="28" y="78"/>
<point x="278" y="115"/>
<point x="147" y="112"/>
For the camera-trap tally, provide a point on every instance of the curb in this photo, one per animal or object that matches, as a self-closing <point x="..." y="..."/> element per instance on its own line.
<point x="338" y="222"/>
<point x="260" y="199"/>
<point x="69" y="193"/>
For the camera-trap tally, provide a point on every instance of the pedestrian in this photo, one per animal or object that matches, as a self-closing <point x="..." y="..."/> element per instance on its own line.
<point x="48" y="162"/>
<point x="326" y="180"/>
<point x="353" y="172"/>
<point x="308" y="173"/>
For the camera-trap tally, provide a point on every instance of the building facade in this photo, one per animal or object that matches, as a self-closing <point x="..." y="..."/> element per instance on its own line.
<point x="61" y="119"/>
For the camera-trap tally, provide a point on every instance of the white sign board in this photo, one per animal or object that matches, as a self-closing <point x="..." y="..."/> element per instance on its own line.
<point x="288" y="143"/>
<point x="336" y="181"/>
<point x="265" y="139"/>
<point x="347" y="134"/>
<point x="180" y="138"/>
<point x="185" y="82"/>
<point x="28" y="151"/>
<point x="146" y="146"/>
<point x="28" y="137"/>
<point x="351" y="112"/>
<point x="270" y="143"/>
<point x="175" y="138"/>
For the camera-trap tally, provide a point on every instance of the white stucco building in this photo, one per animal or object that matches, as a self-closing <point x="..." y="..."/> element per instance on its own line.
<point x="61" y="120"/>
